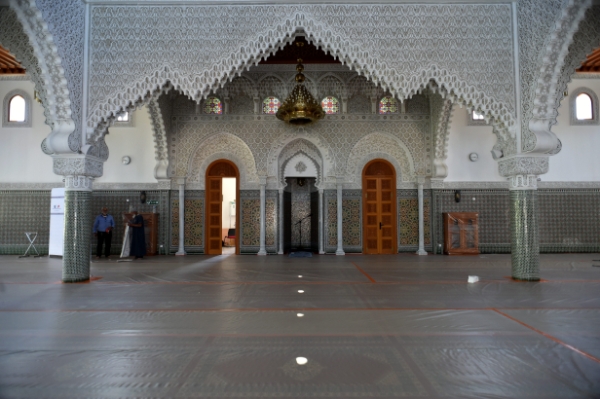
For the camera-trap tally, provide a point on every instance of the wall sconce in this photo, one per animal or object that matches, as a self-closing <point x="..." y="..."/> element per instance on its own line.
<point x="457" y="195"/>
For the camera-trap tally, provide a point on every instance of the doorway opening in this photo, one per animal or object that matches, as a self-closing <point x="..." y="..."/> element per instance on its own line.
<point x="301" y="215"/>
<point x="222" y="219"/>
<point x="379" y="208"/>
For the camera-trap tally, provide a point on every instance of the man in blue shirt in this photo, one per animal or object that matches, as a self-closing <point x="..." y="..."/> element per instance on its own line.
<point x="103" y="226"/>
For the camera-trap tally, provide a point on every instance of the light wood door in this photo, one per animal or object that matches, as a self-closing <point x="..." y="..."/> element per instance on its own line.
<point x="379" y="209"/>
<point x="214" y="215"/>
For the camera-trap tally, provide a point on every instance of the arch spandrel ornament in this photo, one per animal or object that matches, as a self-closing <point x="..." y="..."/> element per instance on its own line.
<point x="384" y="146"/>
<point x="121" y="81"/>
<point x="221" y="146"/>
<point x="291" y="150"/>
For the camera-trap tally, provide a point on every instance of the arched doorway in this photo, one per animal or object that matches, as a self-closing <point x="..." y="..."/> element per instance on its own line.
<point x="215" y="227"/>
<point x="379" y="208"/>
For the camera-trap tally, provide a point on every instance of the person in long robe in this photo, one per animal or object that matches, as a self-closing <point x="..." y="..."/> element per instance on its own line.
<point x="138" y="238"/>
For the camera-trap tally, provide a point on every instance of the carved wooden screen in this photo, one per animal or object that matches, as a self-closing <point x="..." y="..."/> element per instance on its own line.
<point x="379" y="208"/>
<point x="214" y="205"/>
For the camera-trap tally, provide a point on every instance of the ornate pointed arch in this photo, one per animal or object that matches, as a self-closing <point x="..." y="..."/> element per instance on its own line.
<point x="331" y="85"/>
<point x="159" y="111"/>
<point x="385" y="146"/>
<point x="312" y="144"/>
<point x="402" y="66"/>
<point x="222" y="146"/>
<point x="561" y="55"/>
<point x="25" y="34"/>
<point x="299" y="146"/>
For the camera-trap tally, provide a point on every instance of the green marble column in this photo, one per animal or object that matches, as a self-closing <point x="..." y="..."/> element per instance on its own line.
<point x="525" y="235"/>
<point x="78" y="229"/>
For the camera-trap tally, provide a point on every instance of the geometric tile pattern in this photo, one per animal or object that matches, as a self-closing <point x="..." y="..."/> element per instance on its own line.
<point x="193" y="226"/>
<point x="408" y="224"/>
<point x="351" y="220"/>
<point x="250" y="220"/>
<point x="78" y="232"/>
<point x="525" y="245"/>
<point x="569" y="220"/>
<point x="22" y="211"/>
<point x="117" y="204"/>
<point x="494" y="219"/>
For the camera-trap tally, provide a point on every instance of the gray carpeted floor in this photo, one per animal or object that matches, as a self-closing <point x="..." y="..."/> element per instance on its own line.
<point x="236" y="327"/>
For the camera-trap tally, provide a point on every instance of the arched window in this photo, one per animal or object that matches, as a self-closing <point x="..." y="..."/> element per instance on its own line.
<point x="123" y="118"/>
<point x="477" y="116"/>
<point x="271" y="105"/>
<point x="388" y="105"/>
<point x="584" y="107"/>
<point x="330" y="105"/>
<point x="17" y="109"/>
<point x="213" y="105"/>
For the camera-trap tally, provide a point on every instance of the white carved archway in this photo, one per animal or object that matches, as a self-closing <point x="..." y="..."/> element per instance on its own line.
<point x="222" y="146"/>
<point x="294" y="148"/>
<point x="25" y="33"/>
<point x="122" y="82"/>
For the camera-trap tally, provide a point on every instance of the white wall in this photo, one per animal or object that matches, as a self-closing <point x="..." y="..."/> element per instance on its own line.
<point x="135" y="142"/>
<point x="463" y="140"/>
<point x="579" y="159"/>
<point x="21" y="157"/>
<point x="22" y="160"/>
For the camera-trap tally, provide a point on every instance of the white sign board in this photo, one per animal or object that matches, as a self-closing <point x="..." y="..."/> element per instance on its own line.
<point x="57" y="222"/>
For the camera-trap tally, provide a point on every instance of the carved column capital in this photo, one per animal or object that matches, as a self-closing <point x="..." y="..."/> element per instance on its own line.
<point x="78" y="183"/>
<point x="262" y="180"/>
<point x="181" y="181"/>
<point x="523" y="165"/>
<point x="78" y="165"/>
<point x="522" y="182"/>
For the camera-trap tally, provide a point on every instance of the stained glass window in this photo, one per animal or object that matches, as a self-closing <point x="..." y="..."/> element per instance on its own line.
<point x="16" y="109"/>
<point x="388" y="105"/>
<point x="213" y="105"/>
<point x="330" y="105"/>
<point x="123" y="118"/>
<point x="477" y="116"/>
<point x="271" y="105"/>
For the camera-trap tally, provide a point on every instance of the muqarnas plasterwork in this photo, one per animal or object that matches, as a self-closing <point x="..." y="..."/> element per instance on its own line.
<point x="408" y="222"/>
<point x="194" y="223"/>
<point x="251" y="222"/>
<point x="350" y="222"/>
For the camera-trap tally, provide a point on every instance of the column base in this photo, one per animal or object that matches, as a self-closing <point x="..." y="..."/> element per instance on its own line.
<point x="262" y="252"/>
<point x="280" y="253"/>
<point x="180" y="253"/>
<point x="75" y="279"/>
<point x="421" y="252"/>
<point x="340" y="252"/>
<point x="321" y="252"/>
<point x="532" y="279"/>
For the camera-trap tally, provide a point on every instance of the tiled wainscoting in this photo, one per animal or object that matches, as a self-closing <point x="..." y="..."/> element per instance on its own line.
<point x="569" y="220"/>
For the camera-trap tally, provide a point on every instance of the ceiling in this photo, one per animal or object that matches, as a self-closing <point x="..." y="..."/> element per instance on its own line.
<point x="8" y="63"/>
<point x="310" y="54"/>
<point x="592" y="63"/>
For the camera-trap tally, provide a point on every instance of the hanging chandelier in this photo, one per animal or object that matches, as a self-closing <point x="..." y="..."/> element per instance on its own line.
<point x="300" y="108"/>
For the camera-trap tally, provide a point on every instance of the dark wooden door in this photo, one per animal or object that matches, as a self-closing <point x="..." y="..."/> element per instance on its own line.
<point x="379" y="208"/>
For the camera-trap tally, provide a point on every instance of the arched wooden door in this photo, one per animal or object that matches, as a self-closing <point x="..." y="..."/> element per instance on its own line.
<point x="379" y="208"/>
<point x="214" y="205"/>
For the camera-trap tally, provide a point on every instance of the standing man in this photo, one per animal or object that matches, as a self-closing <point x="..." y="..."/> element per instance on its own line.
<point x="103" y="226"/>
<point x="138" y="237"/>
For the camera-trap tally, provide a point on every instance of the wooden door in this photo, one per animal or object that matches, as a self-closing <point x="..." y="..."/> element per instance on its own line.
<point x="214" y="205"/>
<point x="214" y="217"/>
<point x="379" y="208"/>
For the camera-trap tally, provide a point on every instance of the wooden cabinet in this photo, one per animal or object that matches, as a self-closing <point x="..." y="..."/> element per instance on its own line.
<point x="150" y="230"/>
<point x="461" y="233"/>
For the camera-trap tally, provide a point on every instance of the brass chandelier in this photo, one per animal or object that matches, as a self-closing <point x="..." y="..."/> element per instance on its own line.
<point x="300" y="108"/>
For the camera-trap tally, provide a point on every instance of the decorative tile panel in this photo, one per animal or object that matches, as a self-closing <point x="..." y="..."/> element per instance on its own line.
<point x="351" y="220"/>
<point x="408" y="222"/>
<point x="193" y="227"/>
<point x="22" y="211"/>
<point x="250" y="220"/>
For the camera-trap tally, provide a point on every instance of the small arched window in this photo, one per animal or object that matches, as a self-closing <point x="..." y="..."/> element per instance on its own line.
<point x="213" y="105"/>
<point x="477" y="116"/>
<point x="123" y="118"/>
<point x="584" y="107"/>
<point x="17" y="109"/>
<point x="271" y="105"/>
<point x="388" y="105"/>
<point x="330" y="105"/>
